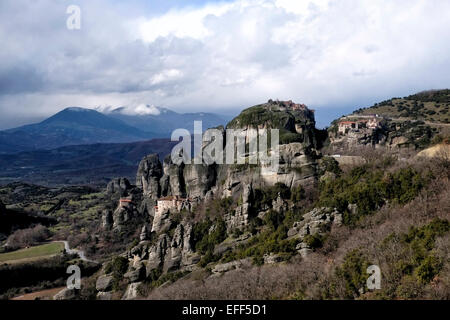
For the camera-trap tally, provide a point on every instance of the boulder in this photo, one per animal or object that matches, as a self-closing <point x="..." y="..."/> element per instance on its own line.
<point x="225" y="267"/>
<point x="104" y="295"/>
<point x="65" y="294"/>
<point x="272" y="258"/>
<point x="132" y="291"/>
<point x="304" y="252"/>
<point x="104" y="283"/>
<point x="135" y="275"/>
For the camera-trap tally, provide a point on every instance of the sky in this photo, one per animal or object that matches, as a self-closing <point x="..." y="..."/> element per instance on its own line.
<point x="218" y="56"/>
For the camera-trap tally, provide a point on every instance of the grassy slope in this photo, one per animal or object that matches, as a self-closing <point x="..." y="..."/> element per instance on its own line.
<point x="430" y="106"/>
<point x="41" y="251"/>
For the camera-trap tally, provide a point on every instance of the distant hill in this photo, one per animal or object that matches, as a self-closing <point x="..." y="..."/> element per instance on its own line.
<point x="432" y="105"/>
<point x="71" y="126"/>
<point x="82" y="164"/>
<point x="77" y="126"/>
<point x="163" y="121"/>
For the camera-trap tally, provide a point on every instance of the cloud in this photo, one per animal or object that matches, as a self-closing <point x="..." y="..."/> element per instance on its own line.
<point x="131" y="110"/>
<point x="220" y="55"/>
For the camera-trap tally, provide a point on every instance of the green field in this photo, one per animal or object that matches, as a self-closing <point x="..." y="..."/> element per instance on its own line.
<point x="32" y="253"/>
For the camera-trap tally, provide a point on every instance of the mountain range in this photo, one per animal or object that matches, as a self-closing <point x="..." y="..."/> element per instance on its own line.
<point x="80" y="126"/>
<point x="162" y="120"/>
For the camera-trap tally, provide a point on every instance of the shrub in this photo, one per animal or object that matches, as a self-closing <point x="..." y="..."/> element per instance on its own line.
<point x="203" y="239"/>
<point x="273" y="219"/>
<point x="297" y="194"/>
<point x="118" y="266"/>
<point x="369" y="189"/>
<point x="314" y="241"/>
<point x="208" y="258"/>
<point x="428" y="269"/>
<point x="28" y="237"/>
<point x="353" y="273"/>
<point x="329" y="164"/>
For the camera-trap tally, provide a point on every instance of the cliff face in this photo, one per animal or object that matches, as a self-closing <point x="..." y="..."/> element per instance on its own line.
<point x="167" y="241"/>
<point x="297" y="163"/>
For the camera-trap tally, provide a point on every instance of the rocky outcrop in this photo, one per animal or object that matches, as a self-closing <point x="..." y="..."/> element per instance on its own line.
<point x="148" y="175"/>
<point x="297" y="166"/>
<point x="165" y="243"/>
<point x="161" y="221"/>
<point x="170" y="251"/>
<point x="66" y="294"/>
<point x="272" y="258"/>
<point x="136" y="274"/>
<point x="240" y="217"/>
<point x="295" y="121"/>
<point x="132" y="291"/>
<point x="231" y="244"/>
<point x="199" y="179"/>
<point x="233" y="265"/>
<point x="119" y="186"/>
<point x="180" y="252"/>
<point x="315" y="223"/>
<point x="104" y="283"/>
<point x="279" y="205"/>
<point x="144" y="235"/>
<point x="104" y="296"/>
<point x="122" y="215"/>
<point x="172" y="182"/>
<point x="107" y="219"/>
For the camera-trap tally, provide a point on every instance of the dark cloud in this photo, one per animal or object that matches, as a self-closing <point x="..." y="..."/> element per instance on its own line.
<point x="20" y="79"/>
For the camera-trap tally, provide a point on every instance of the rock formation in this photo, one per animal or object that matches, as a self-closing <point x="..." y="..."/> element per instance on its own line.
<point x="315" y="223"/>
<point x="149" y="173"/>
<point x="166" y="243"/>
<point x="119" y="185"/>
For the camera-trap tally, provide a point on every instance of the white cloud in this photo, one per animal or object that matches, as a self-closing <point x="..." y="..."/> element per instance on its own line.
<point x="130" y="110"/>
<point x="142" y="109"/>
<point x="166" y="76"/>
<point x="318" y="52"/>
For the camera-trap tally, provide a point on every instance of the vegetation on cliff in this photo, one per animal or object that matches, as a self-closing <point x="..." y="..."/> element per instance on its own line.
<point x="431" y="106"/>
